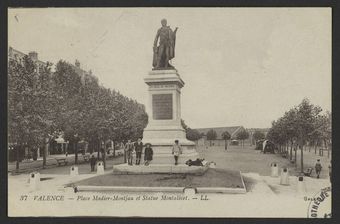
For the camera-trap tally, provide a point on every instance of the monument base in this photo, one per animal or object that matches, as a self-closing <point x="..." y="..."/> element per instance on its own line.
<point x="164" y="125"/>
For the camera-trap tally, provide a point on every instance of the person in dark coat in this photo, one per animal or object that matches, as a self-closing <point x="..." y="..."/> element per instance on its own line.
<point x="138" y="149"/>
<point x="93" y="162"/>
<point x="148" y="153"/>
<point x="318" y="168"/>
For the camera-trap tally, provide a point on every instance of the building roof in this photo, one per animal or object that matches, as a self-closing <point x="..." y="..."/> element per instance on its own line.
<point x="233" y="130"/>
<point x="264" y="130"/>
<point x="16" y="55"/>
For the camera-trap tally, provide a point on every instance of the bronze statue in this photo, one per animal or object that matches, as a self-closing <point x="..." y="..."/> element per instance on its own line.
<point x="166" y="48"/>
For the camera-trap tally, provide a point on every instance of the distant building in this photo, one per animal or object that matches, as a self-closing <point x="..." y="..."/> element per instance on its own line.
<point x="233" y="130"/>
<point x="81" y="72"/>
<point x="14" y="54"/>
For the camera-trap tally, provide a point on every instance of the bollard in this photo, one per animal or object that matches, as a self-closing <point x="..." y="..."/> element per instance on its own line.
<point x="274" y="169"/>
<point x="301" y="186"/>
<point x="284" y="177"/>
<point x="188" y="191"/>
<point x="100" y="168"/>
<point x="74" y="171"/>
<point x="34" y="181"/>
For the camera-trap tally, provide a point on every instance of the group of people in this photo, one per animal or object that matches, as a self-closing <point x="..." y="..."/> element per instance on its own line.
<point x="137" y="146"/>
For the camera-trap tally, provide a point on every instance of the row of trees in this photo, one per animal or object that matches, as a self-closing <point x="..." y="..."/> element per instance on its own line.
<point x="242" y="135"/>
<point x="41" y="102"/>
<point x="302" y="126"/>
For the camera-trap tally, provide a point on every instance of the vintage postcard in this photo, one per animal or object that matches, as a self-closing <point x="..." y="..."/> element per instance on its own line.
<point x="170" y="112"/>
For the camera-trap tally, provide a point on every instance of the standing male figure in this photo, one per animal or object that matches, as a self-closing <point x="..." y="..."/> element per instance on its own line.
<point x="166" y="49"/>
<point x="129" y="150"/>
<point x="138" y="149"/>
<point x="318" y="168"/>
<point x="176" y="151"/>
<point x="93" y="162"/>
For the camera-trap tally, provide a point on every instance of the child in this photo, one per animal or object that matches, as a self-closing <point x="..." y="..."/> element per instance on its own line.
<point x="176" y="151"/>
<point x="148" y="153"/>
<point x="318" y="168"/>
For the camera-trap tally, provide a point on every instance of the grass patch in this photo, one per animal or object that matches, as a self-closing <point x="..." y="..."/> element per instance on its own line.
<point x="211" y="178"/>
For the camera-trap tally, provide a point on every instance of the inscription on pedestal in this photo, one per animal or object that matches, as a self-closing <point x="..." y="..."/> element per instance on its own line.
<point x="162" y="106"/>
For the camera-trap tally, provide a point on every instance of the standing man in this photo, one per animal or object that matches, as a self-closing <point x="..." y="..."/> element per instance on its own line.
<point x="318" y="168"/>
<point x="166" y="49"/>
<point x="128" y="150"/>
<point x="138" y="149"/>
<point x="92" y="162"/>
<point x="176" y="151"/>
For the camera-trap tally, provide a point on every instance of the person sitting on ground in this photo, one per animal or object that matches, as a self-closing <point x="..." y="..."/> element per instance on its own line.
<point x="197" y="162"/>
<point x="318" y="168"/>
<point x="148" y="153"/>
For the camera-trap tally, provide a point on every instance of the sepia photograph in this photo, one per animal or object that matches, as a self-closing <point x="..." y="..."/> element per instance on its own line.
<point x="214" y="112"/>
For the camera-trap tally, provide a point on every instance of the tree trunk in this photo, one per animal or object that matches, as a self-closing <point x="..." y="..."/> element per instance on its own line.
<point x="291" y="152"/>
<point x="45" y="151"/>
<point x="114" y="149"/>
<point x="76" y="152"/>
<point x="125" y="161"/>
<point x="315" y="146"/>
<point x="327" y="148"/>
<point x="18" y="147"/>
<point x="295" y="154"/>
<point x="301" y="158"/>
<point x="104" y="155"/>
<point x="98" y="149"/>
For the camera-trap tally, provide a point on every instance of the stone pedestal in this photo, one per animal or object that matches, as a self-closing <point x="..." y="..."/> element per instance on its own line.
<point x="164" y="109"/>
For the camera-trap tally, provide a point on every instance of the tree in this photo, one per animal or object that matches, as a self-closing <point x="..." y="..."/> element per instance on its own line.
<point x="226" y="136"/>
<point x="258" y="135"/>
<point x="300" y="125"/>
<point x="41" y="102"/>
<point x="242" y="135"/>
<point x="192" y="134"/>
<point x="29" y="107"/>
<point x="211" y="135"/>
<point x="307" y="115"/>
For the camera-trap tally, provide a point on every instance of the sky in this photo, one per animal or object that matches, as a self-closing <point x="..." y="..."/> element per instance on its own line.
<point x="241" y="66"/>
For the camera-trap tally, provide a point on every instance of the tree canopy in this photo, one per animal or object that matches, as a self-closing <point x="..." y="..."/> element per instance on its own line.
<point x="42" y="102"/>
<point x="258" y="135"/>
<point x="300" y="125"/>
